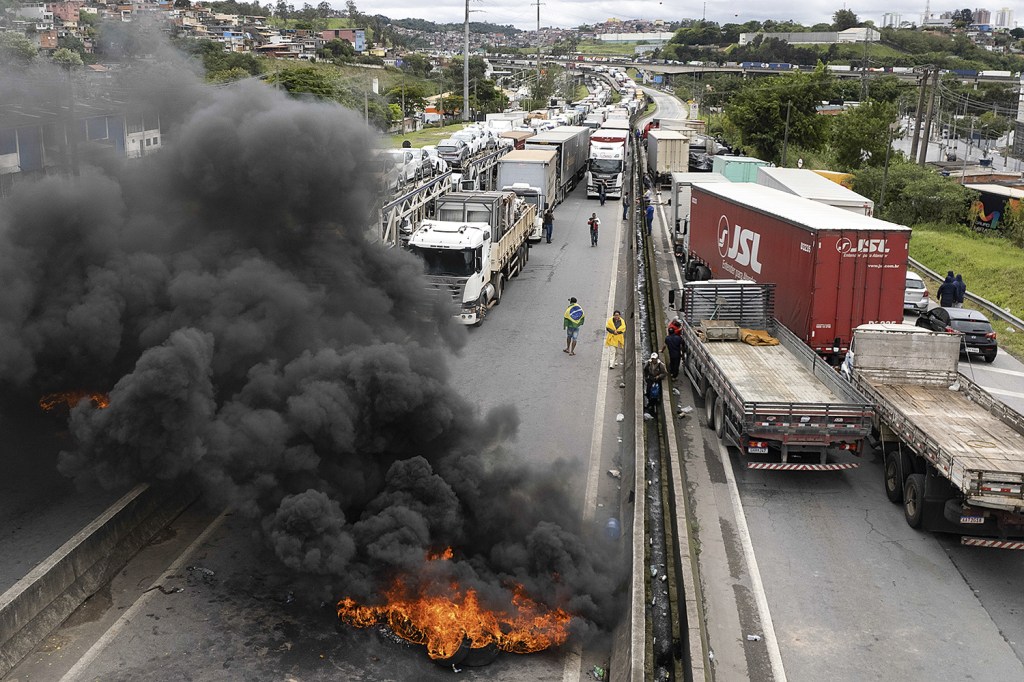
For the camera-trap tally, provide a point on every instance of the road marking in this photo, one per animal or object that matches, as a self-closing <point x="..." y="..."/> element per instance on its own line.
<point x="1009" y="394"/>
<point x="573" y="669"/>
<point x="772" y="644"/>
<point x="998" y="370"/>
<point x="126" y="618"/>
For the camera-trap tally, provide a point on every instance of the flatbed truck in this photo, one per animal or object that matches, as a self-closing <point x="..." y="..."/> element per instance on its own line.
<point x="779" y="404"/>
<point x="953" y="455"/>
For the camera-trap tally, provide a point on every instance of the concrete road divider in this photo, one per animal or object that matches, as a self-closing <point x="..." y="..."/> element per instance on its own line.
<point x="34" y="606"/>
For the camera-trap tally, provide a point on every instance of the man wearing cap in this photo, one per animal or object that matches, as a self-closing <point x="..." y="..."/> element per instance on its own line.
<point x="654" y="374"/>
<point x="572" y="320"/>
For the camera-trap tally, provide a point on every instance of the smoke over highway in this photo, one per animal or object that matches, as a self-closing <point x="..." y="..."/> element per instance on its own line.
<point x="254" y="342"/>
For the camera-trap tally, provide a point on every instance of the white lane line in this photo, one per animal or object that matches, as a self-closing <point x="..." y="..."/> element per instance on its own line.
<point x="1009" y="394"/>
<point x="126" y="618"/>
<point x="772" y="644"/>
<point x="573" y="669"/>
<point x="597" y="440"/>
<point x="998" y="370"/>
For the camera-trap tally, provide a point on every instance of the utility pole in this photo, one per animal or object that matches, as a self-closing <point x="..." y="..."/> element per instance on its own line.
<point x="785" y="138"/>
<point x="465" y="70"/>
<point x="920" y="112"/>
<point x="928" y="118"/>
<point x="538" y="3"/>
<point x="864" y="68"/>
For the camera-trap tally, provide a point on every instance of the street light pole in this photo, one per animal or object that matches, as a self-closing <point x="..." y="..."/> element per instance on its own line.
<point x="465" y="70"/>
<point x="885" y="171"/>
<point x="785" y="138"/>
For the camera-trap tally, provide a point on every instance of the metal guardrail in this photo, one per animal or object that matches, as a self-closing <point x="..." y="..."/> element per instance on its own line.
<point x="984" y="303"/>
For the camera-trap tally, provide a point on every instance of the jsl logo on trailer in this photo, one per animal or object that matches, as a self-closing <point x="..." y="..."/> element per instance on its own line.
<point x="862" y="246"/>
<point x="743" y="246"/>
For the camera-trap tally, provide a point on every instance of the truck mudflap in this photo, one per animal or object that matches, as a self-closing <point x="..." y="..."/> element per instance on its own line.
<point x="790" y="466"/>
<point x="991" y="543"/>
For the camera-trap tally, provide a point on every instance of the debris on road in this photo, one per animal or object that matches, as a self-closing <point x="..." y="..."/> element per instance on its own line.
<point x="648" y="416"/>
<point x="675" y="391"/>
<point x="615" y="473"/>
<point x="753" y="638"/>
<point x="620" y="417"/>
<point x="597" y="672"/>
<point x="205" y="571"/>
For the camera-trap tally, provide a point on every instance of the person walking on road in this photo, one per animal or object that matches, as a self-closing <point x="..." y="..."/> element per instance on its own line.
<point x="654" y="374"/>
<point x="650" y="218"/>
<point x="594" y="224"/>
<point x="571" y="322"/>
<point x="602" y="193"/>
<point x="615" y="337"/>
<point x="549" y="223"/>
<point x="625" y="204"/>
<point x="948" y="291"/>
<point x="674" y="344"/>
<point x="961" y="291"/>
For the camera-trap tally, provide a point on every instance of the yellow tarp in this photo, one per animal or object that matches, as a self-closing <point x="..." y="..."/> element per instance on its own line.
<point x="757" y="337"/>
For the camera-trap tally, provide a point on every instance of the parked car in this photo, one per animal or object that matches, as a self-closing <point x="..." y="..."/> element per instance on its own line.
<point x="978" y="336"/>
<point x="385" y="171"/>
<point x="915" y="297"/>
<point x="423" y="162"/>
<point x="453" y="150"/>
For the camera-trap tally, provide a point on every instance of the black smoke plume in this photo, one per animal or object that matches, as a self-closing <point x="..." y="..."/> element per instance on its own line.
<point x="256" y="342"/>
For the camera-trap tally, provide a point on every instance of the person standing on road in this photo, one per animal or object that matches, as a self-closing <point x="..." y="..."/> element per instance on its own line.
<point x="961" y="291"/>
<point x="948" y="291"/>
<point x="602" y="193"/>
<point x="654" y="374"/>
<point x="571" y="322"/>
<point x="594" y="223"/>
<point x="625" y="204"/>
<point x="650" y="218"/>
<point x="674" y="344"/>
<point x="615" y="337"/>
<point x="549" y="223"/>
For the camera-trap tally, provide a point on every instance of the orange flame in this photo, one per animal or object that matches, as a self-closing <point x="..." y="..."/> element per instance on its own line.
<point x="443" y="622"/>
<point x="72" y="398"/>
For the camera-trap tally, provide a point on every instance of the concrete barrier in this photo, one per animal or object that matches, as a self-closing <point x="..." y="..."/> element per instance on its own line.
<point x="34" y="606"/>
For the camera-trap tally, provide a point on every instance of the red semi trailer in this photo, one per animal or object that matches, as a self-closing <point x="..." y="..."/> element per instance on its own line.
<point x="833" y="270"/>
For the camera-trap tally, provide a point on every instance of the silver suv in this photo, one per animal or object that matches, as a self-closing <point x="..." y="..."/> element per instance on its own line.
<point x="915" y="296"/>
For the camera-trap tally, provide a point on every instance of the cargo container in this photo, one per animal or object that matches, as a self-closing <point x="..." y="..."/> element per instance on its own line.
<point x="572" y="144"/>
<point x="834" y="270"/>
<point x="682" y="184"/>
<point x="668" y="152"/>
<point x="518" y="137"/>
<point x="810" y="185"/>
<point x="532" y="175"/>
<point x="737" y="168"/>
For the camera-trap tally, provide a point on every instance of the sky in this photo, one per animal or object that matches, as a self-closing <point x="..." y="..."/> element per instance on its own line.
<point x="572" y="13"/>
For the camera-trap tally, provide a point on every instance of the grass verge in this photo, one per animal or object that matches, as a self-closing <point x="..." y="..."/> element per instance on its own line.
<point x="992" y="267"/>
<point x="425" y="136"/>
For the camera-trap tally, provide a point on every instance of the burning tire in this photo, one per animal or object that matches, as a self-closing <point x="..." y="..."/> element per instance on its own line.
<point x="457" y="658"/>
<point x="482" y="656"/>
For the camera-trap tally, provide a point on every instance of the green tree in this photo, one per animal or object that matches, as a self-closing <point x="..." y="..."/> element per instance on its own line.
<point x="228" y="75"/>
<point x="66" y="58"/>
<point x="339" y="49"/>
<point x="860" y="136"/>
<point x="16" y="49"/>
<point x="914" y="194"/>
<point x="1017" y="33"/>
<point x="963" y="18"/>
<point x="416" y="64"/>
<point x="758" y="110"/>
<point x="844" y="19"/>
<point x="303" y="80"/>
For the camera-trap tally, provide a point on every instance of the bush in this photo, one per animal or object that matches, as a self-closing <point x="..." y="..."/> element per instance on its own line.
<point x="914" y="194"/>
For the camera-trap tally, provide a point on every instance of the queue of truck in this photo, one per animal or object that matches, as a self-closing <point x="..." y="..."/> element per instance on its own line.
<point x="793" y="336"/>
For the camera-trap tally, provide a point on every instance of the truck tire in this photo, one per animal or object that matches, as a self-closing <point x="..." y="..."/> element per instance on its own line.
<point x="709" y="406"/>
<point x="719" y="417"/>
<point x="897" y="467"/>
<point x="913" y="500"/>
<point x="520" y="260"/>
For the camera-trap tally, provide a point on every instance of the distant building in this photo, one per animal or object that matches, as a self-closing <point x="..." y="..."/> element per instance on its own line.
<point x="850" y="35"/>
<point x="355" y="36"/>
<point x="653" y="37"/>
<point x="1004" y="18"/>
<point x="891" y="20"/>
<point x="982" y="16"/>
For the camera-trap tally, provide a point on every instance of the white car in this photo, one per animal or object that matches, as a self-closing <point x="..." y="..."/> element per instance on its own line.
<point x="405" y="163"/>
<point x="473" y="141"/>
<point x="439" y="164"/>
<point x="915" y="296"/>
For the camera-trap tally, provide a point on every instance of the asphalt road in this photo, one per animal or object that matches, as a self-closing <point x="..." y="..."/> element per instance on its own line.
<point x="235" y="618"/>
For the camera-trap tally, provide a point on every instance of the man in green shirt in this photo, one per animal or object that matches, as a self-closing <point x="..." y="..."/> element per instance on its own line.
<point x="571" y="322"/>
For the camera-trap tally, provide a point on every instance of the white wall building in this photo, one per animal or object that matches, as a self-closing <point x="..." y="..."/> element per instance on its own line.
<point x="1004" y="18"/>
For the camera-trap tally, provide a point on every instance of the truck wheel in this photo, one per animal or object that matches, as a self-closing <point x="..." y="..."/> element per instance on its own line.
<point x="893" y="479"/>
<point x="720" y="417"/>
<point x="709" y="406"/>
<point x="913" y="500"/>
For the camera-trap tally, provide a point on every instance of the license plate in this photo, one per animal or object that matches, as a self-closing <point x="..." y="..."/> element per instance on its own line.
<point x="972" y="349"/>
<point x="757" y="451"/>
<point x="972" y="519"/>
